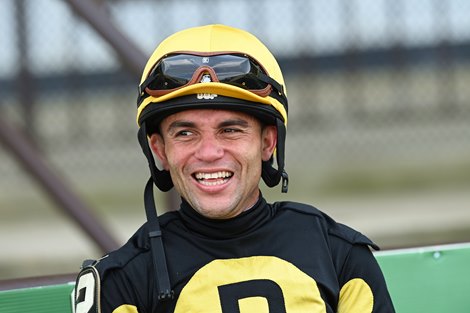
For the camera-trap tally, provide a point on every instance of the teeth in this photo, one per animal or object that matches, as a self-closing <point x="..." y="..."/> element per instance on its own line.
<point x="216" y="175"/>
<point x="212" y="183"/>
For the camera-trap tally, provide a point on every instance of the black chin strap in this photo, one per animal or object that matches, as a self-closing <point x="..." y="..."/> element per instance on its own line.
<point x="271" y="175"/>
<point x="161" y="178"/>
<point x="162" y="278"/>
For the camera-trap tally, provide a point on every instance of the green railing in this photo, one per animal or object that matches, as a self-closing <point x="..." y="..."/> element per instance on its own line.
<point x="428" y="280"/>
<point x="47" y="299"/>
<point x="421" y="280"/>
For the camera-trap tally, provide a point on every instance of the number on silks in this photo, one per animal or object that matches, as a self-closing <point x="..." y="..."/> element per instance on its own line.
<point x="85" y="291"/>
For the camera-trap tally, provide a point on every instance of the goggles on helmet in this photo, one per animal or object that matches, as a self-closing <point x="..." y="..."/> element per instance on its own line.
<point x="176" y="71"/>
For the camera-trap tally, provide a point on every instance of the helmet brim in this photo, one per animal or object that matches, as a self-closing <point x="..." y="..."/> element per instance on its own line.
<point x="209" y="92"/>
<point x="153" y="114"/>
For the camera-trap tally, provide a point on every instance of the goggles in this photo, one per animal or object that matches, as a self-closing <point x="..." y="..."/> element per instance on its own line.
<point x="176" y="71"/>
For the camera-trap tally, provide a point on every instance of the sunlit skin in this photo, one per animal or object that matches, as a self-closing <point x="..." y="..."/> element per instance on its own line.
<point x="214" y="158"/>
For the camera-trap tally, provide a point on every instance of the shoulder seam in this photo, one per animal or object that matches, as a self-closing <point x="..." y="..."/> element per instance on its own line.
<point x="333" y="228"/>
<point x="300" y="207"/>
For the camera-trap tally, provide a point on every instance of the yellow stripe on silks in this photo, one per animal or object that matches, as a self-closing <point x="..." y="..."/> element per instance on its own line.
<point x="126" y="308"/>
<point x="356" y="297"/>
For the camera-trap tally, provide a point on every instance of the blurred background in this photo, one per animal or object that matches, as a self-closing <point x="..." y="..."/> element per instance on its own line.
<point x="378" y="134"/>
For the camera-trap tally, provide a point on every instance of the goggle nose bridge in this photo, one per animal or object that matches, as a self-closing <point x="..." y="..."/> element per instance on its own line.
<point x="200" y="72"/>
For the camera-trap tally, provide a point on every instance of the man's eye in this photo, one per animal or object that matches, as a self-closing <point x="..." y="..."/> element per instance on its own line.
<point x="230" y="130"/>
<point x="184" y="133"/>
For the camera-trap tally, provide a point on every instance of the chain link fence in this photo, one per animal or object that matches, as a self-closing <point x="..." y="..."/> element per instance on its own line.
<point x="378" y="95"/>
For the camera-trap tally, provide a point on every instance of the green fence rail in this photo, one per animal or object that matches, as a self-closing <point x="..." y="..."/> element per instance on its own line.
<point x="430" y="279"/>
<point x="47" y="299"/>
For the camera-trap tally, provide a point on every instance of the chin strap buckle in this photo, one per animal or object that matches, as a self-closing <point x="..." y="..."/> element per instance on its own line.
<point x="284" y="182"/>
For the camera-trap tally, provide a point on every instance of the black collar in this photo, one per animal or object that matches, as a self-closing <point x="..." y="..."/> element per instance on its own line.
<point x="237" y="226"/>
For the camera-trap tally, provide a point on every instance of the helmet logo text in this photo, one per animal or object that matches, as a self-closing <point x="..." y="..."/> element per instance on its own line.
<point x="206" y="96"/>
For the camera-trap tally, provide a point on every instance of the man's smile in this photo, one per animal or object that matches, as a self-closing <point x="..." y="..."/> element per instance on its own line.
<point x="214" y="178"/>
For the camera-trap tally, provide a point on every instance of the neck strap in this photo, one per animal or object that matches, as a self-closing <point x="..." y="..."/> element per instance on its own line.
<point x="156" y="245"/>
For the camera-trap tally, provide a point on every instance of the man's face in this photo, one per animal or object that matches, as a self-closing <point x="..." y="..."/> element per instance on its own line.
<point x="214" y="158"/>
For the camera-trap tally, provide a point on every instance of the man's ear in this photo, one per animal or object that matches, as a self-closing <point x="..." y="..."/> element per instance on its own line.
<point x="157" y="144"/>
<point x="268" y="141"/>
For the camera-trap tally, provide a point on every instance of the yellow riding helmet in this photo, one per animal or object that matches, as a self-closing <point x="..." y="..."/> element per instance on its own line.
<point x="213" y="41"/>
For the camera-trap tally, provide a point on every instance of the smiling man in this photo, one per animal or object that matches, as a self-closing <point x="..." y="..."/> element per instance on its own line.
<point x="212" y="110"/>
<point x="213" y="157"/>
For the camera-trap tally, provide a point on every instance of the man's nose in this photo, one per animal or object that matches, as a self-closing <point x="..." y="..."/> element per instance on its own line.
<point x="209" y="149"/>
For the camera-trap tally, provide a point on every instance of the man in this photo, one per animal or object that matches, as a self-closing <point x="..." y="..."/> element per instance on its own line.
<point x="212" y="110"/>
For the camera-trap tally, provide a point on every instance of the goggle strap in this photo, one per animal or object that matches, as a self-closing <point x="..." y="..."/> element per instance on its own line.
<point x="145" y="84"/>
<point x="268" y="80"/>
<point x="278" y="92"/>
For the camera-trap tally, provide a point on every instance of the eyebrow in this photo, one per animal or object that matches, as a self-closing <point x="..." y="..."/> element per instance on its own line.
<point x="226" y="123"/>
<point x="179" y="124"/>
<point x="234" y="122"/>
